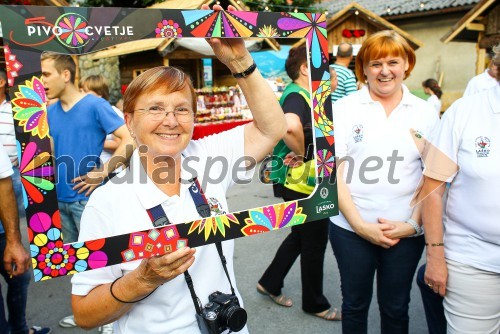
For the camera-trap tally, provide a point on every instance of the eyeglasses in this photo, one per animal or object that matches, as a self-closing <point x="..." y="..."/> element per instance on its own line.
<point x="158" y="113"/>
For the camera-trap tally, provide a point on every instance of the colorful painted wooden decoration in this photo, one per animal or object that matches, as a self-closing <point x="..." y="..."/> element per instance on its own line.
<point x="30" y="30"/>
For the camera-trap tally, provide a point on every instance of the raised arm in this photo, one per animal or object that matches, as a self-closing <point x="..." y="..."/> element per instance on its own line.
<point x="269" y="124"/>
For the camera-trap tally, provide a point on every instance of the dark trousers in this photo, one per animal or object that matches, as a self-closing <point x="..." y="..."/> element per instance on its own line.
<point x="433" y="305"/>
<point x="17" y="294"/>
<point x="358" y="261"/>
<point x="309" y="241"/>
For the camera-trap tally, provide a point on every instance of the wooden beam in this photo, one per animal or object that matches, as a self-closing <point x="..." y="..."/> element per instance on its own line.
<point x="481" y="56"/>
<point x="475" y="26"/>
<point x="468" y="18"/>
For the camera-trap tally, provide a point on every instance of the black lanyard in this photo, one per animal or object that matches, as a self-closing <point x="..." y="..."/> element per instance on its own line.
<point x="159" y="218"/>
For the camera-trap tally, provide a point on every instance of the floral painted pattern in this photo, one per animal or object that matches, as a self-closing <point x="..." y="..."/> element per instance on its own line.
<point x="274" y="217"/>
<point x="168" y="29"/>
<point x="30" y="108"/>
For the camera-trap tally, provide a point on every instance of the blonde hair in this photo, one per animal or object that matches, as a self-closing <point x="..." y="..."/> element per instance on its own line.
<point x="97" y="84"/>
<point x="383" y="44"/>
<point x="168" y="79"/>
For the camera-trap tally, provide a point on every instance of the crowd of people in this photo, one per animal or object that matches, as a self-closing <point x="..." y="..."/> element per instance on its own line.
<point x="386" y="138"/>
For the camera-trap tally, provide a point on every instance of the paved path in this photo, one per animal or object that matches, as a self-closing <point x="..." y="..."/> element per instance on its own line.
<point x="49" y="301"/>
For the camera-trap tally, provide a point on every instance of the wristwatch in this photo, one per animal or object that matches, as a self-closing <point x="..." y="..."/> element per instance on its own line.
<point x="246" y="72"/>
<point x="418" y="229"/>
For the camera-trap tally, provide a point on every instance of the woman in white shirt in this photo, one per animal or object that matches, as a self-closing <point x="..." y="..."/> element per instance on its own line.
<point x="377" y="230"/>
<point x="431" y="87"/>
<point x="163" y="183"/>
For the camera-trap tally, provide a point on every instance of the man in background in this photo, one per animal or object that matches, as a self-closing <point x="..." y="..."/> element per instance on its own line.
<point x="483" y="81"/>
<point x="345" y="77"/>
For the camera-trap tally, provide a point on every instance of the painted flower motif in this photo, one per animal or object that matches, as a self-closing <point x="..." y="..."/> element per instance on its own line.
<point x="30" y="109"/>
<point x="274" y="217"/>
<point x="168" y="29"/>
<point x="13" y="65"/>
<point x="268" y="31"/>
<point x="56" y="259"/>
<point x="326" y="163"/>
<point x="36" y="173"/>
<point x="313" y="28"/>
<point x="213" y="225"/>
<point x="73" y="27"/>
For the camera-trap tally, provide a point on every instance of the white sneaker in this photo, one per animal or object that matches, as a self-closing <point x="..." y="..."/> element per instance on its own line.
<point x="68" y="322"/>
<point x="106" y="329"/>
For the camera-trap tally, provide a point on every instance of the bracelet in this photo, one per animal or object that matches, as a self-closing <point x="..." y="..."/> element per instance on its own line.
<point x="414" y="224"/>
<point x="246" y="72"/>
<point x="437" y="244"/>
<point x="123" y="301"/>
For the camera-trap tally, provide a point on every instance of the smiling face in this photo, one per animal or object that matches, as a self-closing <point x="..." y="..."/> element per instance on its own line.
<point x="165" y="137"/>
<point x="53" y="81"/>
<point x="385" y="75"/>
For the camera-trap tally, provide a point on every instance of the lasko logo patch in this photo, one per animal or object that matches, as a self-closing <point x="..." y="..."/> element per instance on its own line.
<point x="357" y="133"/>
<point x="482" y="147"/>
<point x="73" y="30"/>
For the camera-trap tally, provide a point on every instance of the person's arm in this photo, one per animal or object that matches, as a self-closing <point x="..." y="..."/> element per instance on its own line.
<point x="14" y="251"/>
<point x="269" y="124"/>
<point x="373" y="233"/>
<point x="294" y="137"/>
<point x="112" y="144"/>
<point x="99" y="307"/>
<point x="403" y="229"/>
<point x="436" y="273"/>
<point x="122" y="154"/>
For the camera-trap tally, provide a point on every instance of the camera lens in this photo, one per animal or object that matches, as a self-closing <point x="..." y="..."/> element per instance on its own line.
<point x="235" y="318"/>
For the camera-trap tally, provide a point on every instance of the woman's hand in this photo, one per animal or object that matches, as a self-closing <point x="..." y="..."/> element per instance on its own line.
<point x="293" y="160"/>
<point x="436" y="275"/>
<point x="374" y="233"/>
<point x="155" y="271"/>
<point x="400" y="230"/>
<point x="230" y="51"/>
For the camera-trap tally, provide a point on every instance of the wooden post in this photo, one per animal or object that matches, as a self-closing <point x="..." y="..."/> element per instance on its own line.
<point x="481" y="55"/>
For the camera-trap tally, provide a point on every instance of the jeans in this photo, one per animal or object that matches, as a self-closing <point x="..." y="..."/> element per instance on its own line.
<point x="358" y="261"/>
<point x="17" y="294"/>
<point x="71" y="214"/>
<point x="433" y="305"/>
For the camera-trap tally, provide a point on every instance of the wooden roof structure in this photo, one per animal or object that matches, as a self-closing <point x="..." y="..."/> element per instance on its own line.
<point x="161" y="44"/>
<point x="481" y="24"/>
<point x="356" y="17"/>
<point x="354" y="12"/>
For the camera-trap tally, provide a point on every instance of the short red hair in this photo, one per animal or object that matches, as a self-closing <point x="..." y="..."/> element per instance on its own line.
<point x="383" y="44"/>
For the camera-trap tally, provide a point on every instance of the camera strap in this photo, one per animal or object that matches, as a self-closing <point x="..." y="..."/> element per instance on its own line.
<point x="159" y="218"/>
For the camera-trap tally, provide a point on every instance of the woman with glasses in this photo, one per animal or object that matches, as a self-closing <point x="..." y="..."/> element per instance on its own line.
<point x="166" y="172"/>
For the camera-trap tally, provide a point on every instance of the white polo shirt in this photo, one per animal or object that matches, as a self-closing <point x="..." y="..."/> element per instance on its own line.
<point x="469" y="133"/>
<point x="115" y="209"/>
<point x="380" y="188"/>
<point x="7" y="131"/>
<point x="479" y="83"/>
<point x="5" y="165"/>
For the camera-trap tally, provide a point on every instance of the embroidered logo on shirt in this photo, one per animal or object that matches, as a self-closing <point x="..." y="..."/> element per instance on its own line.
<point x="357" y="133"/>
<point x="215" y="207"/>
<point x="482" y="147"/>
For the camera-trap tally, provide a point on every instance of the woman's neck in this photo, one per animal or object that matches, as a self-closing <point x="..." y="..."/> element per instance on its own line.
<point x="389" y="102"/>
<point x="165" y="174"/>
